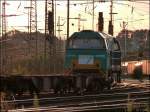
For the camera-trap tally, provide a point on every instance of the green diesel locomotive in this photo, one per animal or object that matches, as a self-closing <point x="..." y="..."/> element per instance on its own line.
<point x="96" y="56"/>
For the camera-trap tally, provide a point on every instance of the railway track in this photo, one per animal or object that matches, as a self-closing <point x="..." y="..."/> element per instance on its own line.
<point x="92" y="106"/>
<point x="119" y="96"/>
<point x="95" y="108"/>
<point x="96" y="101"/>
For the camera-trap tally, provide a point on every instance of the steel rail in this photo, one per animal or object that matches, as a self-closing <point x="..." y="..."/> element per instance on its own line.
<point x="76" y="109"/>
<point x="76" y="101"/>
<point x="83" y="97"/>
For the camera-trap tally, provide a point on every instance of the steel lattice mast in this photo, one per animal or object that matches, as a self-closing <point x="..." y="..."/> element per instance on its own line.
<point x="1" y="59"/>
<point x="33" y="24"/>
<point x="48" y="7"/>
<point x="49" y="31"/>
<point x="4" y="36"/>
<point x="0" y="19"/>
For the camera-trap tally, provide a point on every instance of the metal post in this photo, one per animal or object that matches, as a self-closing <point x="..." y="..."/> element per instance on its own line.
<point x="79" y="16"/>
<point x="125" y="49"/>
<point x="33" y="24"/>
<point x="4" y="36"/>
<point x="93" y="17"/>
<point x="59" y="26"/>
<point x="29" y="43"/>
<point x="125" y="36"/>
<point x="110" y="29"/>
<point x="53" y="47"/>
<point x="1" y="58"/>
<point x="68" y="2"/>
<point x="45" y="51"/>
<point x="0" y="19"/>
<point x="36" y="36"/>
<point x="55" y="18"/>
<point x="111" y="10"/>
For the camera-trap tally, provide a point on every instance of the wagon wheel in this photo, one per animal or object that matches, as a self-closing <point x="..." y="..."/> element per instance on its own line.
<point x="114" y="76"/>
<point x="118" y="77"/>
<point x="98" y="87"/>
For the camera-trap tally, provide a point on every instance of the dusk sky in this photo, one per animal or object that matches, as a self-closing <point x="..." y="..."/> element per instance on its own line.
<point x="136" y="13"/>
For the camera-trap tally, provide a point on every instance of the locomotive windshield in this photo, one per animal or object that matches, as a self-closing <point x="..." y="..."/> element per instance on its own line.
<point x="86" y="43"/>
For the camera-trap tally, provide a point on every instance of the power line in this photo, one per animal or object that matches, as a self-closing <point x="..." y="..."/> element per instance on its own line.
<point x="141" y="2"/>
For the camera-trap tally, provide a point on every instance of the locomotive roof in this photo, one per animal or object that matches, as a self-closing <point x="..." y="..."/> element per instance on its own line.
<point x="89" y="34"/>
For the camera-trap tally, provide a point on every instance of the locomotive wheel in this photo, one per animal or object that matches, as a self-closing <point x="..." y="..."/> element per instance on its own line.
<point x="114" y="77"/>
<point x="94" y="85"/>
<point x="117" y="77"/>
<point x="109" y="82"/>
<point x="89" y="83"/>
<point x="100" y="84"/>
<point x="98" y="87"/>
<point x="56" y="86"/>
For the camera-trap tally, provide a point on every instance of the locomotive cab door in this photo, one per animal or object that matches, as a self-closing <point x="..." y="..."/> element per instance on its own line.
<point x="115" y="60"/>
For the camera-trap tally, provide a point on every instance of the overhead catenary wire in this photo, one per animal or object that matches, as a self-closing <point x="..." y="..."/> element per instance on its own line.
<point x="89" y="3"/>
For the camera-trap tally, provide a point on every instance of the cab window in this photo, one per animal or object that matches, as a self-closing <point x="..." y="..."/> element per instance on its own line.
<point x="86" y="44"/>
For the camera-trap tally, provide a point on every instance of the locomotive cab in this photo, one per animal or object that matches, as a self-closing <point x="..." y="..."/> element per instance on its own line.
<point x="92" y="57"/>
<point x="89" y="51"/>
<point x="86" y="52"/>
